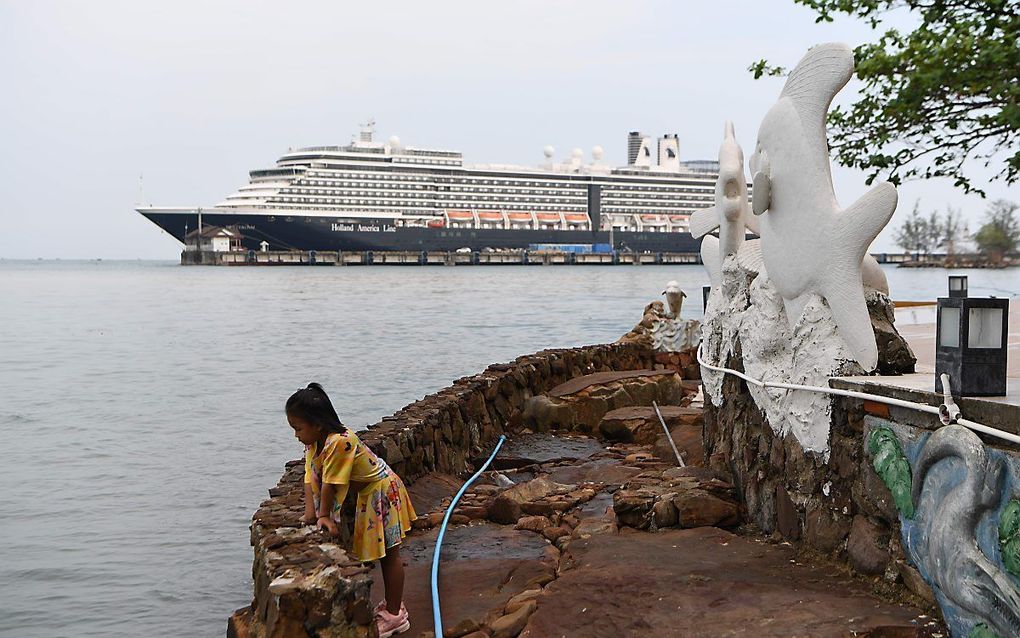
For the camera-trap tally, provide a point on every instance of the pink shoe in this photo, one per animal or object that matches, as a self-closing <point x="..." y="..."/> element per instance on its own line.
<point x="388" y="624"/>
<point x="381" y="605"/>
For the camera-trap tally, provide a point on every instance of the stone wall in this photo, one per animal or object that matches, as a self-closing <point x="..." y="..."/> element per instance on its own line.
<point x="446" y="431"/>
<point x="803" y="496"/>
<point x="909" y="527"/>
<point x="305" y="584"/>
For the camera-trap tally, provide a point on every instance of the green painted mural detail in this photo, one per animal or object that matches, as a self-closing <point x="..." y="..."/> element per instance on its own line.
<point x="981" y="630"/>
<point x="892" y="466"/>
<point x="1009" y="537"/>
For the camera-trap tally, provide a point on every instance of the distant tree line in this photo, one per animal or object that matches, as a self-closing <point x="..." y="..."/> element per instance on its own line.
<point x="1000" y="233"/>
<point x="946" y="232"/>
<point x="927" y="234"/>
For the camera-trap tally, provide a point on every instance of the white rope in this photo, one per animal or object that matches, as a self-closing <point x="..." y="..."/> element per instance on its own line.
<point x="921" y="407"/>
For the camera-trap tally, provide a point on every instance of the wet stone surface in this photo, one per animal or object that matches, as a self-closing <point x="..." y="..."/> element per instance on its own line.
<point x="530" y="449"/>
<point x="707" y="582"/>
<point x="592" y="548"/>
<point x="483" y="566"/>
<point x="470" y="542"/>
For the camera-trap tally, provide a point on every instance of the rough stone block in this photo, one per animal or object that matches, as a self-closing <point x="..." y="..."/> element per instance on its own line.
<point x="868" y="546"/>
<point x="664" y="513"/>
<point x="824" y="529"/>
<point x="689" y="442"/>
<point x="510" y="625"/>
<point x="698" y="508"/>
<point x="520" y="599"/>
<point x="533" y="523"/>
<point x="787" y="517"/>
<point x="239" y="624"/>
<point x="506" y="508"/>
<point x="633" y="508"/>
<point x="913" y="581"/>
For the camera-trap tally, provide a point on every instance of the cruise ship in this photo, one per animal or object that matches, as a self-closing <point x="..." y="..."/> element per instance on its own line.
<point x="384" y="196"/>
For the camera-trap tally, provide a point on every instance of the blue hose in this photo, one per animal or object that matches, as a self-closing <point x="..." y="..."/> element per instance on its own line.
<point x="436" y="616"/>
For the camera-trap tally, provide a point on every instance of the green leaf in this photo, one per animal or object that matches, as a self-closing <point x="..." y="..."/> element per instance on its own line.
<point x="934" y="98"/>
<point x="1009" y="537"/>
<point x="892" y="467"/>
<point x="981" y="630"/>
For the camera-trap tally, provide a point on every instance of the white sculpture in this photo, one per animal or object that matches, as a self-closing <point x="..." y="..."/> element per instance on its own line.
<point x="675" y="335"/>
<point x="674" y="298"/>
<point x="731" y="213"/>
<point x="669" y="332"/>
<point x="808" y="244"/>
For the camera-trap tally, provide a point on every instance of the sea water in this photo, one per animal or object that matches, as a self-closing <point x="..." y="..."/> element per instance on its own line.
<point x="141" y="406"/>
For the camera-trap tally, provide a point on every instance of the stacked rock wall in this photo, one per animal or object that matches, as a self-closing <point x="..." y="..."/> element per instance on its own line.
<point x="899" y="499"/>
<point x="798" y="494"/>
<point x="445" y="431"/>
<point x="305" y="584"/>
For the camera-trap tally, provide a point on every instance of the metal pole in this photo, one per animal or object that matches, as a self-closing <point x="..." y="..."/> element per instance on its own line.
<point x="669" y="437"/>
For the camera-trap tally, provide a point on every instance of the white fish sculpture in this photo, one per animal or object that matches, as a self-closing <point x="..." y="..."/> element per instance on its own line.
<point x="809" y="245"/>
<point x="731" y="213"/>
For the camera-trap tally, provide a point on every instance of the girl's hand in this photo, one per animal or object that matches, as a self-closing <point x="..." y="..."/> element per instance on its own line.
<point x="309" y="518"/>
<point x="328" y="524"/>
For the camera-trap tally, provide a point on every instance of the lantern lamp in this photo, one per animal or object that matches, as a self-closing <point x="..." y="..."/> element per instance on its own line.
<point x="957" y="285"/>
<point x="970" y="344"/>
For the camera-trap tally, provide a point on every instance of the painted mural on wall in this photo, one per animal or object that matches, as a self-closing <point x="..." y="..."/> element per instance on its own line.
<point x="960" y="525"/>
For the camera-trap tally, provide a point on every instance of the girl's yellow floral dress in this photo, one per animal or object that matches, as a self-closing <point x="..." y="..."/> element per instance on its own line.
<point x="384" y="512"/>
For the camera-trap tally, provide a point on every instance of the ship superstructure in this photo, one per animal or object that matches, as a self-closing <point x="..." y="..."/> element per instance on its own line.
<point x="387" y="187"/>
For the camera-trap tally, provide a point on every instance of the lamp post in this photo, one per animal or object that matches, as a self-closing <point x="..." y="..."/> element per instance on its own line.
<point x="971" y="344"/>
<point x="957" y="285"/>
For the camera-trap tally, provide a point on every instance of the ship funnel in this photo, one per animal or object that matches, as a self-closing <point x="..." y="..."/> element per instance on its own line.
<point x="644" y="152"/>
<point x="669" y="152"/>
<point x="633" y="146"/>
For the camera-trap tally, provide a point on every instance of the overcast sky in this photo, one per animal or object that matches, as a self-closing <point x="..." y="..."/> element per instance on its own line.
<point x="192" y="95"/>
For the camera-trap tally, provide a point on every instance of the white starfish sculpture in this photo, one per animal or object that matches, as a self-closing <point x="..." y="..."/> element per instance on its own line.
<point x="731" y="213"/>
<point x="809" y="245"/>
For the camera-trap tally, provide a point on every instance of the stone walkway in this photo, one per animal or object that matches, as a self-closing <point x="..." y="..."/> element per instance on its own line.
<point x="611" y="541"/>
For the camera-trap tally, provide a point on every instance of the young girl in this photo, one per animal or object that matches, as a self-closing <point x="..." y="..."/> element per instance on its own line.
<point x="336" y="461"/>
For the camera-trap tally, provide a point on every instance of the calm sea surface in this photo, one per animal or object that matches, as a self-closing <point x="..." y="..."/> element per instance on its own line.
<point x="141" y="406"/>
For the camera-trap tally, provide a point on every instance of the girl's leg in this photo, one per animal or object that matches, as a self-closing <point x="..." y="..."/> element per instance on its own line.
<point x="393" y="578"/>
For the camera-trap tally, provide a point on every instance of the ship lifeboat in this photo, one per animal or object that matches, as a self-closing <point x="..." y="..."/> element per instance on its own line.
<point x="437" y="223"/>
<point x="679" y="219"/>
<point x="577" y="219"/>
<point x="460" y="215"/>
<point x="548" y="218"/>
<point x="519" y="220"/>
<point x="653" y="220"/>
<point x="490" y="216"/>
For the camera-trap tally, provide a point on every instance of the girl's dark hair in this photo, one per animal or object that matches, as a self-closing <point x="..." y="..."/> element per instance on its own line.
<point x="312" y="405"/>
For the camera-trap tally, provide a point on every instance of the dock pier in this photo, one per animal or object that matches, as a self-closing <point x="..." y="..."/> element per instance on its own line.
<point x="193" y="257"/>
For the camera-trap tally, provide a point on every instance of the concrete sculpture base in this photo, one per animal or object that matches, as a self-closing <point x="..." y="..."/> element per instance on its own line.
<point x="750" y="322"/>
<point x="675" y="335"/>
